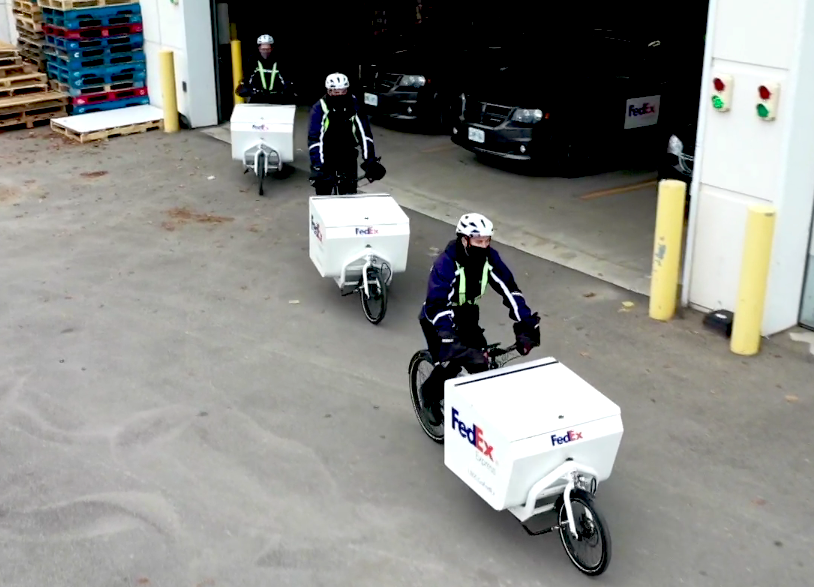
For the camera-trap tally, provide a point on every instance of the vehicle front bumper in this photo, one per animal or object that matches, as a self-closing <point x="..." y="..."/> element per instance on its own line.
<point x="395" y="104"/>
<point x="506" y="143"/>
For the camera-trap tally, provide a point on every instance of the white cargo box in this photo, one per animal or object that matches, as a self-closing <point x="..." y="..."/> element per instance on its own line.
<point x="341" y="227"/>
<point x="508" y="428"/>
<point x="271" y="124"/>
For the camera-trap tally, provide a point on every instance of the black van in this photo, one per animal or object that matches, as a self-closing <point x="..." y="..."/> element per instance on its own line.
<point x="593" y="96"/>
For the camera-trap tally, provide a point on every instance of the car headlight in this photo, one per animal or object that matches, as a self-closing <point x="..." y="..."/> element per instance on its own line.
<point x="415" y="81"/>
<point x="527" y="116"/>
<point x="675" y="146"/>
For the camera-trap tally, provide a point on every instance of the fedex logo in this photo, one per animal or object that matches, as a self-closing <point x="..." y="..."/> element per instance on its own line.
<point x="646" y="108"/>
<point x="368" y="230"/>
<point x="473" y="435"/>
<point x="315" y="229"/>
<point x="569" y="437"/>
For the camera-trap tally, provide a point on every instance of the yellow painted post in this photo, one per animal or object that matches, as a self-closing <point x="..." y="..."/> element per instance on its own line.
<point x="757" y="254"/>
<point x="667" y="249"/>
<point x="168" y="92"/>
<point x="237" y="70"/>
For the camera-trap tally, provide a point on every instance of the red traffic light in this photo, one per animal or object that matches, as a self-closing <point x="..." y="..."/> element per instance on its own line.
<point x="765" y="94"/>
<point x="719" y="84"/>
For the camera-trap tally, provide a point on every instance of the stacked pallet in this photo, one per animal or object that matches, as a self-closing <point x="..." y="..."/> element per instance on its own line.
<point x="24" y="95"/>
<point x="30" y="38"/>
<point x="95" y="53"/>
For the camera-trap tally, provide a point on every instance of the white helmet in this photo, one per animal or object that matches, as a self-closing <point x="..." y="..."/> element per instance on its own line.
<point x="265" y="40"/>
<point x="475" y="225"/>
<point x="337" y="81"/>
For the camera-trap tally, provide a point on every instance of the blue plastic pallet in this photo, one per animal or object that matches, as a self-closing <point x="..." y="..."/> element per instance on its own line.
<point x="98" y="75"/>
<point x="90" y="53"/>
<point x="136" y="40"/>
<point x="90" y="17"/>
<point x="82" y="63"/>
<point x="112" y="105"/>
<point x="84" y="91"/>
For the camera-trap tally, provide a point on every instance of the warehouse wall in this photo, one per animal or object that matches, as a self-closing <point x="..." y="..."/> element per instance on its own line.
<point x="743" y="159"/>
<point x="186" y="28"/>
<point x="8" y="30"/>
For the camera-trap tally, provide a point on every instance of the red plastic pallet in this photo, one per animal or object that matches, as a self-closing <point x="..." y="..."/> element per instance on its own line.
<point x="92" y="32"/>
<point x="108" y="96"/>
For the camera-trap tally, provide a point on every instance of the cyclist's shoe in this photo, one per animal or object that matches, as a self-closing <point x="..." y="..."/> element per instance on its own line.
<point x="435" y="413"/>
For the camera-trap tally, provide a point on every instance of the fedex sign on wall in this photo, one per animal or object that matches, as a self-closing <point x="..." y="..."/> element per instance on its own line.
<point x="641" y="112"/>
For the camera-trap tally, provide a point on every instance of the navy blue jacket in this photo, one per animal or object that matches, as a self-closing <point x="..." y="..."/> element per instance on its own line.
<point x="319" y="127"/>
<point x="444" y="295"/>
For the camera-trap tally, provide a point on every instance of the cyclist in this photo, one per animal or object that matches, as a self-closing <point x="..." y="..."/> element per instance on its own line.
<point x="450" y="314"/>
<point x="337" y="127"/>
<point x="266" y="84"/>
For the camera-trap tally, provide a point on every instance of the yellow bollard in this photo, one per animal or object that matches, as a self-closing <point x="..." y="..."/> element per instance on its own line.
<point x="237" y="70"/>
<point x="757" y="254"/>
<point x="667" y="249"/>
<point x="168" y="91"/>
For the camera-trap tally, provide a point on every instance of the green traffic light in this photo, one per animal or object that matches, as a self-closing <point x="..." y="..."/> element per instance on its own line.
<point x="717" y="103"/>
<point x="762" y="111"/>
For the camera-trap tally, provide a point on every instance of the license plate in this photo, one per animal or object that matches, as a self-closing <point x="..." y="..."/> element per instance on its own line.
<point x="371" y="99"/>
<point x="476" y="135"/>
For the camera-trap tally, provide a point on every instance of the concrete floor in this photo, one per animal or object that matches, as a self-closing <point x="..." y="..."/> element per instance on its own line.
<point x="582" y="223"/>
<point x="185" y="402"/>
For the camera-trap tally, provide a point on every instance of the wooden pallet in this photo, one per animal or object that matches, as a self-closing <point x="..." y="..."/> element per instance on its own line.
<point x="8" y="71"/>
<point x="23" y="79"/>
<point x="26" y="110"/>
<point x="7" y="50"/>
<point x="22" y="89"/>
<point x="107" y="133"/>
<point x="11" y="62"/>
<point x="77" y="4"/>
<point x="26" y="7"/>
<point x="28" y="26"/>
<point x="30" y="16"/>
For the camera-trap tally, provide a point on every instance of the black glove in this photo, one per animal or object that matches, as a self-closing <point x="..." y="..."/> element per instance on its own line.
<point x="373" y="169"/>
<point x="527" y="334"/>
<point x="243" y="91"/>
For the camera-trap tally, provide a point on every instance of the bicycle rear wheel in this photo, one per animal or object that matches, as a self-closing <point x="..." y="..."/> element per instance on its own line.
<point x="261" y="170"/>
<point x="375" y="305"/>
<point x="592" y="532"/>
<point x="421" y="365"/>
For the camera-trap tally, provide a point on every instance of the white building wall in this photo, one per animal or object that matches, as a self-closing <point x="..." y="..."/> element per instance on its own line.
<point x="743" y="159"/>
<point x="8" y="25"/>
<point x="186" y="28"/>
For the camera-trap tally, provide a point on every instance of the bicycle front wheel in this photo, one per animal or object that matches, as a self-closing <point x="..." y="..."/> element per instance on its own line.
<point x="421" y="366"/>
<point x="590" y="552"/>
<point x="374" y="301"/>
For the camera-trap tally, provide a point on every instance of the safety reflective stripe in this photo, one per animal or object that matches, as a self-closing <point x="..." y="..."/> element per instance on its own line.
<point x="364" y="137"/>
<point x="263" y="71"/>
<point x="322" y="130"/>
<point x="459" y="271"/>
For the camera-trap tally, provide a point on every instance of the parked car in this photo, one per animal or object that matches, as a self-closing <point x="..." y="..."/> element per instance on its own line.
<point x="564" y="102"/>
<point x="423" y="81"/>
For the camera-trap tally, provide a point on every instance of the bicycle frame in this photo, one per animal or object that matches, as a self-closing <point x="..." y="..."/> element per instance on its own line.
<point x="574" y="474"/>
<point x="369" y="255"/>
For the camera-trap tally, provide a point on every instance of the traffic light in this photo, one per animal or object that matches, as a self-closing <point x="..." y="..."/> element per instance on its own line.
<point x="768" y="95"/>
<point x="722" y="92"/>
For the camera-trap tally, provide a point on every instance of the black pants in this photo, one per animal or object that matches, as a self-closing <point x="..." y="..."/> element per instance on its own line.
<point x="470" y="334"/>
<point x="343" y="171"/>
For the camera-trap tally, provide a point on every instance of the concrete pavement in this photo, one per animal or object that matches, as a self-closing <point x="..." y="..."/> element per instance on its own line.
<point x="185" y="402"/>
<point x="601" y="225"/>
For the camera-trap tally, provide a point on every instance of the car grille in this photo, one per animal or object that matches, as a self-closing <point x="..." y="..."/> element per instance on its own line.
<point x="487" y="114"/>
<point x="386" y="81"/>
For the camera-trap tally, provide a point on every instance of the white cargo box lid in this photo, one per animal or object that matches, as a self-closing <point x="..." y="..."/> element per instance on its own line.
<point x="353" y="210"/>
<point x="533" y="398"/>
<point x="260" y="113"/>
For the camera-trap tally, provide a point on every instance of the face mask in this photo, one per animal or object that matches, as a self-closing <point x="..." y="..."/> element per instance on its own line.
<point x="477" y="254"/>
<point x="339" y="102"/>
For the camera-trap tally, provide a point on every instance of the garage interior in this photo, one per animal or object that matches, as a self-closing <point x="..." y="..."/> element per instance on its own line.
<point x="601" y="224"/>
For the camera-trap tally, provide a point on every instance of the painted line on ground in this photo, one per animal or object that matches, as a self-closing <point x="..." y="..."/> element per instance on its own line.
<point x="620" y="190"/>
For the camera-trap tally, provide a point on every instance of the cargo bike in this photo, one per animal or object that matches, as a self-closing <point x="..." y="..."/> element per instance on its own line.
<point x="360" y="241"/>
<point x="531" y="438"/>
<point x="262" y="137"/>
